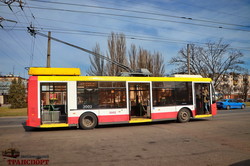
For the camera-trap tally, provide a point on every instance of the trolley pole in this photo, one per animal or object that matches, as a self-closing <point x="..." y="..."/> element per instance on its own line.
<point x="188" y="59"/>
<point x="48" y="49"/>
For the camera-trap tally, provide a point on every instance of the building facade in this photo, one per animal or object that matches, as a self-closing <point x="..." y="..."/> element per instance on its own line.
<point x="235" y="86"/>
<point x="5" y="82"/>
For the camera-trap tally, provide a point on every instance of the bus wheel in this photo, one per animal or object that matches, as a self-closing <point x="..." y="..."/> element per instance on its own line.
<point x="228" y="107"/>
<point x="242" y="106"/>
<point x="183" y="115"/>
<point x="88" y="121"/>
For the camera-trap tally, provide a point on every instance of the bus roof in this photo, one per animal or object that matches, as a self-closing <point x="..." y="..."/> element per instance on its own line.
<point x="47" y="71"/>
<point x="73" y="74"/>
<point x="119" y="78"/>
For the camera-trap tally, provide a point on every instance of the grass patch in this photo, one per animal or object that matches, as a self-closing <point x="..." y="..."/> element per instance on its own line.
<point x="6" y="111"/>
<point x="247" y="103"/>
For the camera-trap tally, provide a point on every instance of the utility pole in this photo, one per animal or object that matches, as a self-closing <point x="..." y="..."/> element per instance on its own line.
<point x="188" y="59"/>
<point x="48" y="49"/>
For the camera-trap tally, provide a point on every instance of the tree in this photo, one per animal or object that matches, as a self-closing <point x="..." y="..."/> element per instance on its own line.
<point x="116" y="52"/>
<point x="137" y="58"/>
<point x="133" y="57"/>
<point x="97" y="67"/>
<point x="158" y="65"/>
<point x="17" y="95"/>
<point x="213" y="60"/>
<point x="144" y="59"/>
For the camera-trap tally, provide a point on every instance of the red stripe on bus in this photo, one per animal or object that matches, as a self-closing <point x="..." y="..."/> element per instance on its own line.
<point x="214" y="109"/>
<point x="193" y="113"/>
<point x="164" y="115"/>
<point x="113" y="118"/>
<point x="73" y="120"/>
<point x="33" y="119"/>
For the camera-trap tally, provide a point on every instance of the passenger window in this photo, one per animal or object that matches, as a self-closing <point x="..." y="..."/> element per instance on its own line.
<point x="92" y="94"/>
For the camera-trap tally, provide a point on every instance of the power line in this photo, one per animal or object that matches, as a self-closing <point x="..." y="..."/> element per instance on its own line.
<point x="10" y="57"/>
<point x="131" y="37"/>
<point x="27" y="21"/>
<point x="206" y="8"/>
<point x="144" y="12"/>
<point x="62" y="21"/>
<point x="144" y="3"/>
<point x="20" y="44"/>
<point x="58" y="31"/>
<point x="138" y="17"/>
<point x="38" y="39"/>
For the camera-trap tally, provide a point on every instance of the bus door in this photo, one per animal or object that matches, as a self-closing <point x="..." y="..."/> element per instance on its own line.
<point x="53" y="103"/>
<point x="139" y="100"/>
<point x="202" y="98"/>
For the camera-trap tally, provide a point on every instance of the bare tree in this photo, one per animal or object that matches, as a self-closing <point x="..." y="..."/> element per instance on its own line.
<point x="133" y="56"/>
<point x="116" y="52"/>
<point x="158" y="65"/>
<point x="213" y="60"/>
<point x="145" y="59"/>
<point x="97" y="67"/>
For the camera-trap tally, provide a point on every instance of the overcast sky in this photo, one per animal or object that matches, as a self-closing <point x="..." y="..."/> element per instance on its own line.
<point x="156" y="25"/>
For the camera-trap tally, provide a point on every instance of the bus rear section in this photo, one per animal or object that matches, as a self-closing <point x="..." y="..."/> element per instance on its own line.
<point x="48" y="100"/>
<point x="47" y="103"/>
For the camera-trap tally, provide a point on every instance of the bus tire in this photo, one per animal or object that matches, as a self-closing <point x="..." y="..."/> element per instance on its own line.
<point x="242" y="106"/>
<point x="183" y="115"/>
<point x="88" y="121"/>
<point x="228" y="107"/>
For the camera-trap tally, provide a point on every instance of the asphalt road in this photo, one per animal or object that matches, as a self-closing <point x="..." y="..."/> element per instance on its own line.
<point x="222" y="140"/>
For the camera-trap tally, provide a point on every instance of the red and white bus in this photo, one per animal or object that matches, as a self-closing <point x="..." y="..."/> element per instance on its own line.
<point x="60" y="97"/>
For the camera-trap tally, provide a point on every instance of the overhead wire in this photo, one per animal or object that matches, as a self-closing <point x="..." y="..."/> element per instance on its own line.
<point x="139" y="17"/>
<point x="32" y="39"/>
<point x="216" y="11"/>
<point x="137" y="6"/>
<point x="10" y="57"/>
<point x="185" y="31"/>
<point x="144" y="12"/>
<point x="20" y="44"/>
<point x="43" y="52"/>
<point x="98" y="26"/>
<point x="131" y="37"/>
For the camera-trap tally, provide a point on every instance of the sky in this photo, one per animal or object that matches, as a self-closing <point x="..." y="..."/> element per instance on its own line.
<point x="164" y="26"/>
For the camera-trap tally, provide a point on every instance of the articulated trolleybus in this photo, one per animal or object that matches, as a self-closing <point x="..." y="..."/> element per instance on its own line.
<point x="60" y="97"/>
